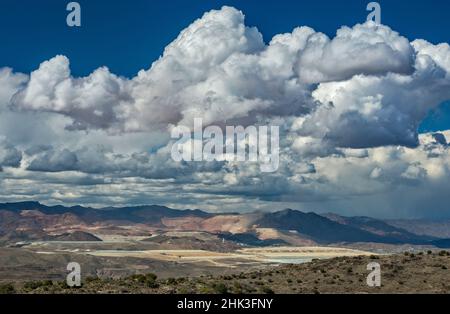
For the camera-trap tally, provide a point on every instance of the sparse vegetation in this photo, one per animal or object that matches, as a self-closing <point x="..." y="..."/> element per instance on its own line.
<point x="220" y="288"/>
<point x="426" y="273"/>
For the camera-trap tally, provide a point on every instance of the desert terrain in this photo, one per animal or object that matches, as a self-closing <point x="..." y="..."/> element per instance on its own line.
<point x="126" y="249"/>
<point x="425" y="272"/>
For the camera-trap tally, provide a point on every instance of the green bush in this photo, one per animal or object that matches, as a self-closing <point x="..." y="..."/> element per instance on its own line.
<point x="7" y="289"/>
<point x="151" y="276"/>
<point x="150" y="280"/>
<point x="32" y="285"/>
<point x="220" y="288"/>
<point x="267" y="290"/>
<point x="138" y="278"/>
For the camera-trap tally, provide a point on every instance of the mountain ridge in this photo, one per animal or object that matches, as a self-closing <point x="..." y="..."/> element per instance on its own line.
<point x="33" y="220"/>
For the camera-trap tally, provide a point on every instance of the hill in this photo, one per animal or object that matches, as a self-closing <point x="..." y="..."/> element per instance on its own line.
<point x="32" y="221"/>
<point x="406" y="273"/>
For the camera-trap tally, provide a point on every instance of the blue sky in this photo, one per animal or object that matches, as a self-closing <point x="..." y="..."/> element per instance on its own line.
<point x="128" y="37"/>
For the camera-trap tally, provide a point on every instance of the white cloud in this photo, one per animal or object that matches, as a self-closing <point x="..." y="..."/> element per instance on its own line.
<point x="89" y="101"/>
<point x="367" y="49"/>
<point x="9" y="85"/>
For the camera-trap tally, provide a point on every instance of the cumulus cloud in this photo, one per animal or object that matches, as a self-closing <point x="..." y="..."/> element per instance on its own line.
<point x="89" y="101"/>
<point x="9" y="84"/>
<point x="9" y="155"/>
<point x="219" y="69"/>
<point x="367" y="49"/>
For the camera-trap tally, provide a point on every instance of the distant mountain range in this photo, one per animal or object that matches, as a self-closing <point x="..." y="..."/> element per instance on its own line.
<point x="31" y="221"/>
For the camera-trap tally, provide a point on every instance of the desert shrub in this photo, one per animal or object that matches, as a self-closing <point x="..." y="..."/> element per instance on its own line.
<point x="91" y="279"/>
<point x="32" y="285"/>
<point x="267" y="290"/>
<point x="237" y="288"/>
<point x="46" y="283"/>
<point x="151" y="276"/>
<point x="171" y="281"/>
<point x="186" y="290"/>
<point x="7" y="289"/>
<point x="429" y="252"/>
<point x="62" y="284"/>
<point x="220" y="288"/>
<point x="150" y="280"/>
<point x="443" y="253"/>
<point x="138" y="278"/>
<point x="152" y="284"/>
<point x="205" y="290"/>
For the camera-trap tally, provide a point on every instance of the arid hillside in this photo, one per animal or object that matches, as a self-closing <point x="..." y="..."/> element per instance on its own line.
<point x="425" y="272"/>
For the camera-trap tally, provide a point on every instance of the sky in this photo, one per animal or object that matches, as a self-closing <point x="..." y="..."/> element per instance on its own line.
<point x="85" y="112"/>
<point x="129" y="37"/>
